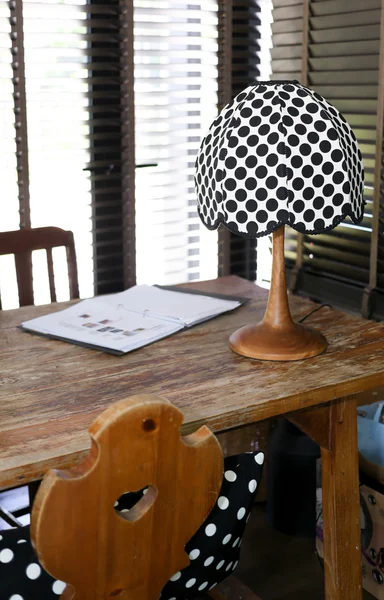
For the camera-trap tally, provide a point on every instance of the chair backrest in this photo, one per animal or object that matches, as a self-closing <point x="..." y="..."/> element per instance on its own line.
<point x="23" y="242"/>
<point x="81" y="539"/>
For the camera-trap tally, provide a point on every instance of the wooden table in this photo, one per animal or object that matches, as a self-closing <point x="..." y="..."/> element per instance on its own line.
<point x="50" y="392"/>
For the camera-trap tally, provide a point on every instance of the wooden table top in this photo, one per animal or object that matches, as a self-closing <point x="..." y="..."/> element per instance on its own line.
<point x="50" y="391"/>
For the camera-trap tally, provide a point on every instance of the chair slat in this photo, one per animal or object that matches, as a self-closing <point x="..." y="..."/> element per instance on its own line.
<point x="23" y="242"/>
<point x="51" y="275"/>
<point x="23" y="264"/>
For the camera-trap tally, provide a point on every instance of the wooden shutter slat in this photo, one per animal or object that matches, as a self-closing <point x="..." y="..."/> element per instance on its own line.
<point x="362" y="17"/>
<point x="343" y="66"/>
<point x="319" y="50"/>
<point x="285" y="52"/>
<point x="287" y="12"/>
<point x="287" y="39"/>
<point x="286" y="66"/>
<point x="287" y="26"/>
<point x="346" y="34"/>
<point x="330" y="7"/>
<point x="352" y="63"/>
<point x="334" y="92"/>
<point x="278" y="3"/>
<point x="343" y="77"/>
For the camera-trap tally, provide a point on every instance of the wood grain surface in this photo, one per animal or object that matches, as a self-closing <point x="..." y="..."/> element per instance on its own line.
<point x="51" y="391"/>
<point x="341" y="505"/>
<point x="103" y="554"/>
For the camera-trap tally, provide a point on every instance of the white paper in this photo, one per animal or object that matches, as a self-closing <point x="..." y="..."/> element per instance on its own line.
<point x="131" y="319"/>
<point x="98" y="323"/>
<point x="185" y="308"/>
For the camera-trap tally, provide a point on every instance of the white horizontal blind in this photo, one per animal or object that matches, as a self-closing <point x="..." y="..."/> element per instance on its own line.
<point x="55" y="41"/>
<point x="9" y="206"/>
<point x="176" y="44"/>
<point x="53" y="37"/>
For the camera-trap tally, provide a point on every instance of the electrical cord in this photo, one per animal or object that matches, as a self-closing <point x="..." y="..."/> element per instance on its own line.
<point x="313" y="311"/>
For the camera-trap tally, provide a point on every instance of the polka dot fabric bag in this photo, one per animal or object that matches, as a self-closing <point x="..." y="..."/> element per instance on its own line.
<point x="214" y="550"/>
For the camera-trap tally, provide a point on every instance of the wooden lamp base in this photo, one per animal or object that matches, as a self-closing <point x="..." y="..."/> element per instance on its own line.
<point x="277" y="337"/>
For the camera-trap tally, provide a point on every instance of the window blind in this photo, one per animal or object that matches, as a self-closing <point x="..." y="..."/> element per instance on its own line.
<point x="9" y="207"/>
<point x="112" y="144"/>
<point x="242" y="24"/>
<point x="335" y="48"/>
<point x="175" y="53"/>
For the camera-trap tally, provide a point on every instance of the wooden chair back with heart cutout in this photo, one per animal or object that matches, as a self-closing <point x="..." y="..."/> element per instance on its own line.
<point x="77" y="533"/>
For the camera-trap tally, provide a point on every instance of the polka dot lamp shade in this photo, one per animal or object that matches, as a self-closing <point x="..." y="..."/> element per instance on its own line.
<point x="279" y="153"/>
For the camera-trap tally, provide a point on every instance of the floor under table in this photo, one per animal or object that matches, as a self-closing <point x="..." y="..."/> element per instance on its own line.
<point x="279" y="566"/>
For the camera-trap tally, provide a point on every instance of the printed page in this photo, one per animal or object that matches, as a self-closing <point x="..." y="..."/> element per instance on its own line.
<point x="180" y="307"/>
<point x="99" y="323"/>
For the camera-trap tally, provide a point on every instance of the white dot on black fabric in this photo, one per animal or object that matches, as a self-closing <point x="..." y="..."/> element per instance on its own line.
<point x="6" y="555"/>
<point x="33" y="571"/>
<point x="194" y="554"/>
<point x="58" y="587"/>
<point x="210" y="529"/>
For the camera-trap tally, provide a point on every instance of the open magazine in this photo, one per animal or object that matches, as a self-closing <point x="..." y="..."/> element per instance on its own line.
<point x="129" y="320"/>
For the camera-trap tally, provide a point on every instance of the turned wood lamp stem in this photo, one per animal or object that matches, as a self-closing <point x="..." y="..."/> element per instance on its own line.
<point x="277" y="337"/>
<point x="277" y="313"/>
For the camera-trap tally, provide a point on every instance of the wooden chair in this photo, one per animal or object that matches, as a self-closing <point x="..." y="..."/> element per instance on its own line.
<point x="102" y="553"/>
<point x="22" y="242"/>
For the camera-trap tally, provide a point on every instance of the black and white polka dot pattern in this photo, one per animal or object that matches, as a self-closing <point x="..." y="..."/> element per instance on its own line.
<point x="214" y="549"/>
<point x="279" y="153"/>
<point x="21" y="576"/>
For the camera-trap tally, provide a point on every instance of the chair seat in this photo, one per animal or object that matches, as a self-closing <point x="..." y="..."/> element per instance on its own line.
<point x="214" y="550"/>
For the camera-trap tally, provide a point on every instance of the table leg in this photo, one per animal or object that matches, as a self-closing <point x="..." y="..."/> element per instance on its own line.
<point x="341" y="504"/>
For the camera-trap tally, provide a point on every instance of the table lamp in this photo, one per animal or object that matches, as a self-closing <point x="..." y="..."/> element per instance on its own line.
<point x="279" y="154"/>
